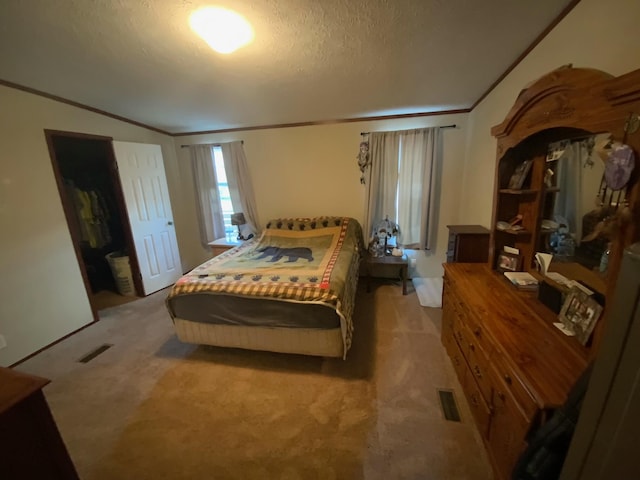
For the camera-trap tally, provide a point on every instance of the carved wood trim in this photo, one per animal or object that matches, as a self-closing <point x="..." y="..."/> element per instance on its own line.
<point x="566" y="83"/>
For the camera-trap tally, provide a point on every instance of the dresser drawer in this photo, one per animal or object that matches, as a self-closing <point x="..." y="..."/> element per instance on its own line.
<point x="448" y="323"/>
<point x="459" y="365"/>
<point x="460" y="336"/>
<point x="511" y="383"/>
<point x="478" y="406"/>
<point x="508" y="428"/>
<point x="478" y="361"/>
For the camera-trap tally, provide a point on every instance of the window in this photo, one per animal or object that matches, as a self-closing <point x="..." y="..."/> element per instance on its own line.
<point x="223" y="189"/>
<point x="220" y="192"/>
<point x="403" y="183"/>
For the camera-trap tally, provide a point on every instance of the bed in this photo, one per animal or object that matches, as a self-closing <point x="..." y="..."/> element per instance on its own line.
<point x="290" y="290"/>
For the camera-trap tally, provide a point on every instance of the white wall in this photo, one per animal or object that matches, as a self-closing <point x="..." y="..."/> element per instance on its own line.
<point x="309" y="171"/>
<point x="596" y="34"/>
<point x="42" y="296"/>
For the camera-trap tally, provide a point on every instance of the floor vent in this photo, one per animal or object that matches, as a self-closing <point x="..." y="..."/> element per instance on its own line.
<point x="93" y="354"/>
<point x="448" y="404"/>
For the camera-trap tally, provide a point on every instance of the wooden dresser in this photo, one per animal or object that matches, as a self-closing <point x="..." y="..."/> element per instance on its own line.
<point x="30" y="446"/>
<point x="514" y="366"/>
<point x="468" y="243"/>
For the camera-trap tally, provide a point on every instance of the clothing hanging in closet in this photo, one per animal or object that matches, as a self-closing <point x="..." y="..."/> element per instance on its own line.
<point x="93" y="215"/>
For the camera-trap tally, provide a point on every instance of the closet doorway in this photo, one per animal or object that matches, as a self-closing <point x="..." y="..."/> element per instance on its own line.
<point x="86" y="173"/>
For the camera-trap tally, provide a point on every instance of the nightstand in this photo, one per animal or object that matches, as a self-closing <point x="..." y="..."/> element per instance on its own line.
<point x="401" y="262"/>
<point x="221" y="245"/>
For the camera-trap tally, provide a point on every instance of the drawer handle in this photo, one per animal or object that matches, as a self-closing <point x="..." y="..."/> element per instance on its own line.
<point x="472" y="347"/>
<point x="474" y="400"/>
<point x="477" y="371"/>
<point x="507" y="379"/>
<point x="477" y="331"/>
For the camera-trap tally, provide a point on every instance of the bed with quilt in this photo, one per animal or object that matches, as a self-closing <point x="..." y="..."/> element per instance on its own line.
<point x="291" y="290"/>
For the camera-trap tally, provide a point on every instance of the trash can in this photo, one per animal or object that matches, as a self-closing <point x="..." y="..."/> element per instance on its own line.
<point x="121" y="270"/>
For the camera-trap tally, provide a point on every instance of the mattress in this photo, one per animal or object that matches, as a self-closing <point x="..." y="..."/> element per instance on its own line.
<point x="303" y="341"/>
<point x="299" y="274"/>
<point x="231" y="310"/>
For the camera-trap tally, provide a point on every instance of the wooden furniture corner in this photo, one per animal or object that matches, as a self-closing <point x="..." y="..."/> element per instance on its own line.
<point x="468" y="244"/>
<point x="31" y="447"/>
<point x="221" y="245"/>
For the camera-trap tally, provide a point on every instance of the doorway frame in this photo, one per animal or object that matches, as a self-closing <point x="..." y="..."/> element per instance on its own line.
<point x="69" y="210"/>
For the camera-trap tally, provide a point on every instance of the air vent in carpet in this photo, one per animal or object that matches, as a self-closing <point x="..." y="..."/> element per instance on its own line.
<point x="94" y="353"/>
<point x="448" y="404"/>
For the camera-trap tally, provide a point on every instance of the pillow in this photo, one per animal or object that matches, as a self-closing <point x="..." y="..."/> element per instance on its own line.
<point x="314" y="223"/>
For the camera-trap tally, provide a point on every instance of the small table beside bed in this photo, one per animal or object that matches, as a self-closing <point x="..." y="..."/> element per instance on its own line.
<point x="291" y="290"/>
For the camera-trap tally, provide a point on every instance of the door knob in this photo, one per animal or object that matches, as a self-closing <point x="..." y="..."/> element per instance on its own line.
<point x="169" y="222"/>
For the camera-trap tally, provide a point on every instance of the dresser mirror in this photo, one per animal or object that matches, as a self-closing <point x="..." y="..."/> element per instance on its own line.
<point x="578" y="204"/>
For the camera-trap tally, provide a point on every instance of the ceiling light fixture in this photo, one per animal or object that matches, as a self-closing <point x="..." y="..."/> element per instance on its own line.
<point x="224" y="30"/>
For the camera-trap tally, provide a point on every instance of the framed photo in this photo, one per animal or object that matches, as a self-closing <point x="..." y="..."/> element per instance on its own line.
<point x="509" y="262"/>
<point x="579" y="314"/>
<point x="520" y="175"/>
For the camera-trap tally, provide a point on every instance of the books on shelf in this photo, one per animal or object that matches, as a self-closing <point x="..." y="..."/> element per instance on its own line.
<point x="522" y="280"/>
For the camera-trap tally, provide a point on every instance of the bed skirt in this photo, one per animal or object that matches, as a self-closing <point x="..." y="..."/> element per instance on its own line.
<point x="303" y="341"/>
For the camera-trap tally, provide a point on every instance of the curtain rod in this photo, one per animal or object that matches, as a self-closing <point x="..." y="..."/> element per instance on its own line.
<point x="211" y="144"/>
<point x="443" y="126"/>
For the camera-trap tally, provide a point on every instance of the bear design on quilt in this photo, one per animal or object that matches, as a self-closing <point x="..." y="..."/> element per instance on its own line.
<point x="276" y="253"/>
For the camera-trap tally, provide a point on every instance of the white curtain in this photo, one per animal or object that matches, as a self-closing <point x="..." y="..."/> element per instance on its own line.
<point x="417" y="188"/>
<point x="403" y="183"/>
<point x="208" y="206"/>
<point x="383" y="179"/>
<point x="240" y="186"/>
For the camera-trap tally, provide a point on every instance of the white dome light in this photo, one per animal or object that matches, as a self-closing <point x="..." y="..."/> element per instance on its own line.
<point x="224" y="30"/>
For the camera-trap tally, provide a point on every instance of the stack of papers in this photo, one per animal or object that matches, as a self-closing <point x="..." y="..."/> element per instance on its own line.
<point x="523" y="280"/>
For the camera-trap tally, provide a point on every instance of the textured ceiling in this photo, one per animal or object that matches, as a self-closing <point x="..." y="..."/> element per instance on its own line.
<point x="311" y="60"/>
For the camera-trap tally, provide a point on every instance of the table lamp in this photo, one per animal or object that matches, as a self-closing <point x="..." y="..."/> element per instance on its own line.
<point x="238" y="219"/>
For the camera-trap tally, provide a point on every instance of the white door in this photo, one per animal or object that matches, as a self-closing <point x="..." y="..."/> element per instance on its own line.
<point x="147" y="199"/>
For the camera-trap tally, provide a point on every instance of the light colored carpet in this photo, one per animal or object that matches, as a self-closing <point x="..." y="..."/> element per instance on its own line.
<point x="151" y="407"/>
<point x="429" y="291"/>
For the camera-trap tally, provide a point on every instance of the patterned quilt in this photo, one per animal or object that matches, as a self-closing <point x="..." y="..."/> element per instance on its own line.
<point x="313" y="260"/>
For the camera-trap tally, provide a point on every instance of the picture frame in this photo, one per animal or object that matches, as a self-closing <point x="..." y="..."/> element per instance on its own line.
<point x="509" y="262"/>
<point x="579" y="314"/>
<point x="520" y="175"/>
